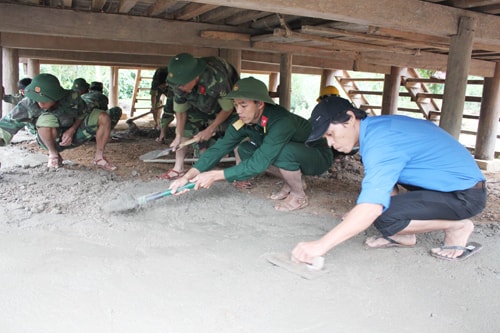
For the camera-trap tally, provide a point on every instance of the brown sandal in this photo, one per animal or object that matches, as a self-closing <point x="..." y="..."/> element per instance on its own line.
<point x="104" y="164"/>
<point x="243" y="184"/>
<point x="171" y="174"/>
<point x="291" y="203"/>
<point x="55" y="162"/>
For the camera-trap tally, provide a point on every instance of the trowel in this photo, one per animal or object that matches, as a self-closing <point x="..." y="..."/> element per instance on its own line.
<point x="163" y="152"/>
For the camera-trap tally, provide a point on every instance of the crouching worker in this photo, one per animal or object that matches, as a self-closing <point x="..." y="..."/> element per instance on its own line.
<point x="271" y="139"/>
<point x="445" y="187"/>
<point x="60" y="119"/>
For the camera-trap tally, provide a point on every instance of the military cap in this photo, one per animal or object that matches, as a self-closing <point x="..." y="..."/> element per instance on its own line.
<point x="96" y="86"/>
<point x="250" y="88"/>
<point x="184" y="68"/>
<point x="80" y="85"/>
<point x="45" y="88"/>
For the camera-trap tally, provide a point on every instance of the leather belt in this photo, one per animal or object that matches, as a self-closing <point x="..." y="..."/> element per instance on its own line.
<point x="480" y="185"/>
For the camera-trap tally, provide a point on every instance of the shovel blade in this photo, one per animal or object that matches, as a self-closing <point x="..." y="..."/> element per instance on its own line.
<point x="155" y="154"/>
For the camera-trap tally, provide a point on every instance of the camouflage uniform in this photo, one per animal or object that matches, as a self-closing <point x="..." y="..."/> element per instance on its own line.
<point x="12" y="99"/>
<point x="97" y="100"/>
<point x="158" y="89"/>
<point x="67" y="110"/>
<point x="205" y="101"/>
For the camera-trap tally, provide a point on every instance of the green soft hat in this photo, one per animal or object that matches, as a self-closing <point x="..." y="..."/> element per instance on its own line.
<point x="80" y="84"/>
<point x="184" y="68"/>
<point x="45" y="88"/>
<point x="250" y="88"/>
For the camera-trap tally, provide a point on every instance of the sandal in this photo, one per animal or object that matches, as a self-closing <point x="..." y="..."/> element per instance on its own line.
<point x="55" y="162"/>
<point x="243" y="184"/>
<point x="280" y="195"/>
<point x="104" y="164"/>
<point x="171" y="174"/>
<point x="291" y="203"/>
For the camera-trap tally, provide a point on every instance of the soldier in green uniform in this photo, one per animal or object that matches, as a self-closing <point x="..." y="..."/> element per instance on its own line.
<point x="21" y="85"/>
<point x="60" y="119"/>
<point x="199" y="86"/>
<point x="96" y="99"/>
<point x="159" y="87"/>
<point x="80" y="85"/>
<point x="275" y="142"/>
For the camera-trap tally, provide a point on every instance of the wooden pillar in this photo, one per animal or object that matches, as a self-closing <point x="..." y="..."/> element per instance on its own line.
<point x="113" y="87"/>
<point x="10" y="76"/>
<point x="274" y="86"/>
<point x="285" y="91"/>
<point x="488" y="117"/>
<point x="1" y="80"/>
<point x="390" y="96"/>
<point x="327" y="79"/>
<point x="457" y="71"/>
<point x="273" y="81"/>
<point x="233" y="57"/>
<point x="33" y="67"/>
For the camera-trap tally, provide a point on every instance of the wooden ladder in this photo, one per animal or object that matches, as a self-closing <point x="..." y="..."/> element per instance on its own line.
<point x="142" y="83"/>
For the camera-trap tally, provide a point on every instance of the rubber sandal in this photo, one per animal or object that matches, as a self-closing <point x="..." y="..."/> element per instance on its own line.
<point x="104" y="164"/>
<point x="469" y="250"/>
<point x="280" y="195"/>
<point x="292" y="203"/>
<point x="171" y="174"/>
<point x="243" y="184"/>
<point x="55" y="162"/>
<point x="390" y="243"/>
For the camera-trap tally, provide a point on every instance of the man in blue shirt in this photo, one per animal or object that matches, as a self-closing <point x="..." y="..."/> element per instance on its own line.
<point x="444" y="184"/>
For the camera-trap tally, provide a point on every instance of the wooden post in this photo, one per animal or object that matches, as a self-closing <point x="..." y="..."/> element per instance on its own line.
<point x="488" y="117"/>
<point x="285" y="80"/>
<point x="459" y="58"/>
<point x="273" y="85"/>
<point x="1" y="80"/>
<point x="113" y="86"/>
<point x="390" y="96"/>
<point x="33" y="67"/>
<point x="233" y="57"/>
<point x="327" y="79"/>
<point x="10" y="74"/>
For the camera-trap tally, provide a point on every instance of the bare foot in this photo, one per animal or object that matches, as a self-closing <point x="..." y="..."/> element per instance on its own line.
<point x="455" y="236"/>
<point x="392" y="241"/>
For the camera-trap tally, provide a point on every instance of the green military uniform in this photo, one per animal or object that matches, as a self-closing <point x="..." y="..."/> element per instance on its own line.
<point x="277" y="139"/>
<point x="12" y="99"/>
<point x="205" y="101"/>
<point x="97" y="100"/>
<point x="158" y="89"/>
<point x="69" y="107"/>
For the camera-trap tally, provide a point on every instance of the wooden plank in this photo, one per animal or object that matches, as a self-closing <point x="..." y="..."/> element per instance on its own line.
<point x="432" y="19"/>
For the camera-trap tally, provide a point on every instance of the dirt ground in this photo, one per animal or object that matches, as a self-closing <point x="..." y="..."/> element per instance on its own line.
<point x="195" y="263"/>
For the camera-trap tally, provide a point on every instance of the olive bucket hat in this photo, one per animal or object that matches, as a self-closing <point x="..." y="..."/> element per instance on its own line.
<point x="45" y="88"/>
<point x="250" y="88"/>
<point x="184" y="68"/>
<point x="80" y="84"/>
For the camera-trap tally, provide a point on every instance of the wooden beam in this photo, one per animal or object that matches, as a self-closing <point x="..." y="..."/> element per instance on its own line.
<point x="32" y="20"/>
<point x="36" y="42"/>
<point x="409" y="15"/>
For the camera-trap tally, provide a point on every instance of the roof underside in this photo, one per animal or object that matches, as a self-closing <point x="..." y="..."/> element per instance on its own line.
<point x="331" y="34"/>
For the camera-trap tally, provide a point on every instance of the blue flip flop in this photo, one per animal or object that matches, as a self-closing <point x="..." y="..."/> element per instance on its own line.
<point x="469" y="250"/>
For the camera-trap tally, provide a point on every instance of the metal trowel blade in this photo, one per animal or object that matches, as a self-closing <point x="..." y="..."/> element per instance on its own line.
<point x="304" y="270"/>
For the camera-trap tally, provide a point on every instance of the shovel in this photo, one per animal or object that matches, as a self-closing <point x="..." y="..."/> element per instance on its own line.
<point x="129" y="203"/>
<point x="162" y="152"/>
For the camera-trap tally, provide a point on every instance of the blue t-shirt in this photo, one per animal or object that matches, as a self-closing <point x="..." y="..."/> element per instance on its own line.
<point x="399" y="149"/>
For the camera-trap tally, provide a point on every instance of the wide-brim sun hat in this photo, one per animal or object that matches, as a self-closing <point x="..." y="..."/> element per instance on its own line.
<point x="250" y="88"/>
<point x="45" y="88"/>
